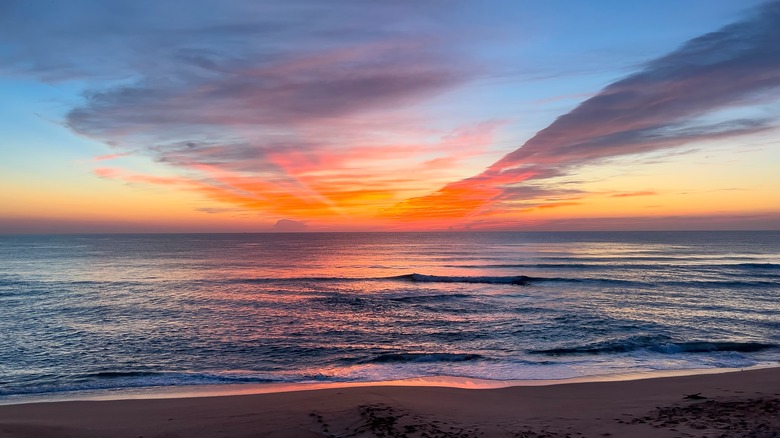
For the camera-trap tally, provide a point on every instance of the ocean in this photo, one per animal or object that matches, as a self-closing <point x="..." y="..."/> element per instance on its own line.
<point x="96" y="312"/>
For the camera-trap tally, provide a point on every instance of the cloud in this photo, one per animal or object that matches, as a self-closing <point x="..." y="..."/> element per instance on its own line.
<point x="112" y="173"/>
<point x="307" y="109"/>
<point x="106" y="157"/>
<point x="158" y="73"/>
<point x="219" y="210"/>
<point x="634" y="194"/>
<point x="674" y="100"/>
<point x="265" y="106"/>
<point x="290" y="225"/>
<point x="354" y="181"/>
<point x="93" y="39"/>
<point x="267" y="95"/>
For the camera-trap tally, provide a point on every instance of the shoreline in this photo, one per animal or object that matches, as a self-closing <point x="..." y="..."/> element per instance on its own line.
<point x="737" y="403"/>
<point x="239" y="389"/>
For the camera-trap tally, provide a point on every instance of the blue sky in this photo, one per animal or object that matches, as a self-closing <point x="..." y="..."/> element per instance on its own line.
<point x="227" y="116"/>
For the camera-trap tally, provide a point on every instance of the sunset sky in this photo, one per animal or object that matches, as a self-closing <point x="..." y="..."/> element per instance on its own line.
<point x="234" y="116"/>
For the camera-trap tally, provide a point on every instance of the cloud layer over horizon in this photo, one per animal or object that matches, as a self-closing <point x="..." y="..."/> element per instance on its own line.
<point x="304" y="111"/>
<point x="672" y="101"/>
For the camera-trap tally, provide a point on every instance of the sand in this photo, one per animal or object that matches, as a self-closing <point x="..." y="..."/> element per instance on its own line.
<point x="736" y="404"/>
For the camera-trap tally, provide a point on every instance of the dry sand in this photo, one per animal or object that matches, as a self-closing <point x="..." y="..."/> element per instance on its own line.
<point x="736" y="404"/>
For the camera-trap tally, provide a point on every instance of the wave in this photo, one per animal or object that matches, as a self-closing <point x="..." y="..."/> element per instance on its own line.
<point x="759" y="265"/>
<point x="118" y="374"/>
<point x="521" y="280"/>
<point x="614" y="281"/>
<point x="296" y="280"/>
<point x="705" y="347"/>
<point x="567" y="266"/>
<point x="131" y="379"/>
<point x="420" y="299"/>
<point x="423" y="278"/>
<point x="174" y="378"/>
<point x="722" y="283"/>
<point x="635" y="258"/>
<point x="414" y="277"/>
<point x="531" y="265"/>
<point x="620" y="264"/>
<point x="631" y="345"/>
<point x="423" y="357"/>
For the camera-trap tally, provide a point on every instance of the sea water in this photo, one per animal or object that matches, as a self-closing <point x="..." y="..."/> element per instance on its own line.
<point x="84" y="312"/>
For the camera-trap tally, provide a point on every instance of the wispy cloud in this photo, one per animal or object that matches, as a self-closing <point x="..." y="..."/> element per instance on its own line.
<point x="107" y="157"/>
<point x="129" y="177"/>
<point x="301" y="107"/>
<point x="634" y="194"/>
<point x="674" y="100"/>
<point x="307" y="109"/>
<point x="299" y="90"/>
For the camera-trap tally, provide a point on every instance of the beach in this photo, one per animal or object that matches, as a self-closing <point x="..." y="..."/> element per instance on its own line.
<point x="734" y="404"/>
<point x="389" y="219"/>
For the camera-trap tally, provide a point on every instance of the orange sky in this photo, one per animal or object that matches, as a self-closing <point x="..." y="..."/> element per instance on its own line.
<point x="390" y="118"/>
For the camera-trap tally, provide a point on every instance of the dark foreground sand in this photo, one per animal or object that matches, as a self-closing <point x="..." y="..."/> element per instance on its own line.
<point x="737" y="404"/>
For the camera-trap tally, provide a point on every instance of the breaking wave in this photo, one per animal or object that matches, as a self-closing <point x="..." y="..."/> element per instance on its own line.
<point x="629" y="345"/>
<point x="422" y="278"/>
<point x="423" y="357"/>
<point x="130" y="379"/>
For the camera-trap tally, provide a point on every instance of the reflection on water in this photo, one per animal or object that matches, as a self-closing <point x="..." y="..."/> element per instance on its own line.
<point x="140" y="310"/>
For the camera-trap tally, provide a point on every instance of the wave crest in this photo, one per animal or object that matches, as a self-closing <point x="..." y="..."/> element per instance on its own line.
<point x="423" y="278"/>
<point x="626" y="346"/>
<point x="424" y="357"/>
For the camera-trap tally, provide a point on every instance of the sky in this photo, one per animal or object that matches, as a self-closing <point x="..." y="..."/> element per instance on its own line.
<point x="235" y="116"/>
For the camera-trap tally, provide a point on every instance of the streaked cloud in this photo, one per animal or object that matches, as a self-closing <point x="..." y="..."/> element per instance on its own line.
<point x="674" y="100"/>
<point x="633" y="194"/>
<point x="112" y="173"/>
<point x="339" y="112"/>
<point x="277" y="108"/>
<point x="301" y="89"/>
<point x="106" y="157"/>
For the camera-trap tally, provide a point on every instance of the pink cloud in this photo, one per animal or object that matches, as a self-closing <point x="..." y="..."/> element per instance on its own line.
<point x="312" y="125"/>
<point x="110" y="173"/>
<point x="633" y="194"/>
<point x="659" y="107"/>
<point x="111" y="156"/>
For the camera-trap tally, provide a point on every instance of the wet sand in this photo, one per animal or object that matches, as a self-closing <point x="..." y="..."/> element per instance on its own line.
<point x="735" y="404"/>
